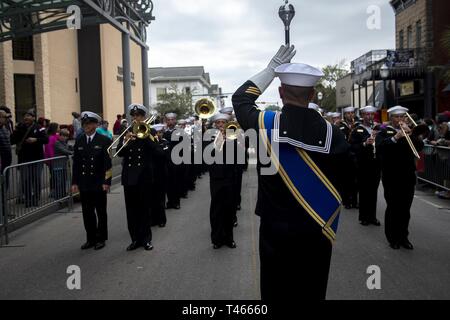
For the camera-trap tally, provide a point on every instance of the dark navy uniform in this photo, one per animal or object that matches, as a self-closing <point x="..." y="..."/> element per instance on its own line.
<point x="368" y="174"/>
<point x="350" y="188"/>
<point x="92" y="168"/>
<point x="398" y="174"/>
<point x="137" y="180"/>
<point x="174" y="179"/>
<point x="158" y="204"/>
<point x="223" y="203"/>
<point x="294" y="253"/>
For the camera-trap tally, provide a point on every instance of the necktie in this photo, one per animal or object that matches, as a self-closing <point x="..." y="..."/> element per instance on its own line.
<point x="89" y="140"/>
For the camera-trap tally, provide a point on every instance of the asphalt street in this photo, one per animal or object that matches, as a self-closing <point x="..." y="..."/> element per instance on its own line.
<point x="183" y="264"/>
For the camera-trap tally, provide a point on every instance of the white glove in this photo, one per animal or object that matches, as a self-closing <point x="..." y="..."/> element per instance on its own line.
<point x="263" y="79"/>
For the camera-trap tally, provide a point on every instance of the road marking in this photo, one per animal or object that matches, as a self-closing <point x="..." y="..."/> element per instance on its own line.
<point x="429" y="202"/>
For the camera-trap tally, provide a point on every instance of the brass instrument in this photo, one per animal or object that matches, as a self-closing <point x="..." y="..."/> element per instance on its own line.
<point x="231" y="133"/>
<point x="205" y="108"/>
<point x="408" y="138"/>
<point x="141" y="130"/>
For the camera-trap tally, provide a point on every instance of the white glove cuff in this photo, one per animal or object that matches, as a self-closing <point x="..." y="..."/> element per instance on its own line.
<point x="263" y="79"/>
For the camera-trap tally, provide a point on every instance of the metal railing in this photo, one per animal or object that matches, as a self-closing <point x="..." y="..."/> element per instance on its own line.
<point x="32" y="187"/>
<point x="436" y="166"/>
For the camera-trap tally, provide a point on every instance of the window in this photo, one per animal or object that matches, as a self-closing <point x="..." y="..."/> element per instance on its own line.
<point x="401" y="39"/>
<point x="419" y="34"/>
<point x="23" y="48"/>
<point x="409" y="37"/>
<point x="160" y="91"/>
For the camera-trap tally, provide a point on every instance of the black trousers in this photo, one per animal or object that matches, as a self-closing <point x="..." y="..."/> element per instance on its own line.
<point x="173" y="197"/>
<point x="399" y="197"/>
<point x="93" y="204"/>
<point x="368" y="181"/>
<point x="158" y="204"/>
<point x="294" y="265"/>
<point x="222" y="211"/>
<point x="137" y="203"/>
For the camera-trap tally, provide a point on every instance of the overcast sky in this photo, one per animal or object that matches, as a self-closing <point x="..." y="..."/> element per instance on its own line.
<point x="235" y="39"/>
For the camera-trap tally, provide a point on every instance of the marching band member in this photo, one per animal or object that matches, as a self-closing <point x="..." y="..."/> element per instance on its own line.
<point x="398" y="174"/>
<point x="92" y="174"/>
<point x="137" y="180"/>
<point x="297" y="225"/>
<point x="222" y="181"/>
<point x="362" y="140"/>
<point x="158" y="204"/>
<point x="173" y="196"/>
<point x="350" y="188"/>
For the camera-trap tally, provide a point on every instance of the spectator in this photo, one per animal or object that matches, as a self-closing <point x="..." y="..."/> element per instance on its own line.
<point x="116" y="128"/>
<point x="10" y="124"/>
<point x="443" y="132"/>
<point x="103" y="129"/>
<point x="5" y="143"/>
<point x="59" y="168"/>
<point x="76" y="123"/>
<point x="30" y="141"/>
<point x="124" y="125"/>
<point x="49" y="152"/>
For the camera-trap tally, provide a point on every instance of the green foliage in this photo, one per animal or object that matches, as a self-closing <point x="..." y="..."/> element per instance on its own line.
<point x="327" y="86"/>
<point x="175" y="101"/>
<point x="273" y="107"/>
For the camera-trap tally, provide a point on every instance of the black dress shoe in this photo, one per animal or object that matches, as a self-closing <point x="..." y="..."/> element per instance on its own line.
<point x="177" y="207"/>
<point x="364" y="223"/>
<point x="148" y="246"/>
<point x="99" y="245"/>
<point x="347" y="206"/>
<point x="394" y="246"/>
<point x="376" y="222"/>
<point x="235" y="224"/>
<point x="133" y="246"/>
<point x="162" y="225"/>
<point x="238" y="207"/>
<point x="231" y="245"/>
<point x="87" y="245"/>
<point x="407" y="245"/>
<point x="217" y="246"/>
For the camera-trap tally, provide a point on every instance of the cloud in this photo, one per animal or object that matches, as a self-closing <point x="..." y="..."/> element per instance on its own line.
<point x="235" y="39"/>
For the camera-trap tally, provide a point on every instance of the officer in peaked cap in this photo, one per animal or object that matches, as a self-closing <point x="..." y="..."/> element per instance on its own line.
<point x="173" y="194"/>
<point x="287" y="240"/>
<point x="398" y="174"/>
<point x="362" y="140"/>
<point x="92" y="174"/>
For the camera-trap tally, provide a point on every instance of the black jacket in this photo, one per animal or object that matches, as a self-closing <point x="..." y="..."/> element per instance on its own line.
<point x="365" y="154"/>
<point x="27" y="152"/>
<point x="92" y="166"/>
<point x="275" y="202"/>
<point x="138" y="161"/>
<point x="398" y="163"/>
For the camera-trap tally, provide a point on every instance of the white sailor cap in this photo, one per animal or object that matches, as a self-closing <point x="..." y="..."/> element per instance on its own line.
<point x="220" y="116"/>
<point x="188" y="120"/>
<point x="298" y="74"/>
<point x="368" y="109"/>
<point x="313" y="106"/>
<point x="349" y="109"/>
<point x="182" y="121"/>
<point x="227" y="110"/>
<point x="192" y="119"/>
<point x="171" y="115"/>
<point x="320" y="110"/>
<point x="88" y="116"/>
<point x="397" y="110"/>
<point x="336" y="115"/>
<point x="158" y="127"/>
<point x="135" y="107"/>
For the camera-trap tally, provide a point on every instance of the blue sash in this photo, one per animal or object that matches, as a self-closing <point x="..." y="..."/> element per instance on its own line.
<point x="307" y="183"/>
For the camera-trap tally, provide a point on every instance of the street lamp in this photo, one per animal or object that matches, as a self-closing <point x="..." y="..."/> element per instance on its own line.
<point x="384" y="74"/>
<point x="287" y="13"/>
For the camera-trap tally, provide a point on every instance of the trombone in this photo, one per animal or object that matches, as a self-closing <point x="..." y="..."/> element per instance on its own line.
<point x="142" y="130"/>
<point x="408" y="138"/>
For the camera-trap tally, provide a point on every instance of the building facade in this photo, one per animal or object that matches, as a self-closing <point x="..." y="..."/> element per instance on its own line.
<point x="184" y="79"/>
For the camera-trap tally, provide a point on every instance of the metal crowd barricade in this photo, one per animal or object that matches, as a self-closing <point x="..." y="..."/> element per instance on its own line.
<point x="436" y="165"/>
<point x="32" y="187"/>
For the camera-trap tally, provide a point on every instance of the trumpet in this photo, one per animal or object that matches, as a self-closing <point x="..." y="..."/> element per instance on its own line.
<point x="231" y="133"/>
<point x="205" y="108"/>
<point x="142" y="130"/>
